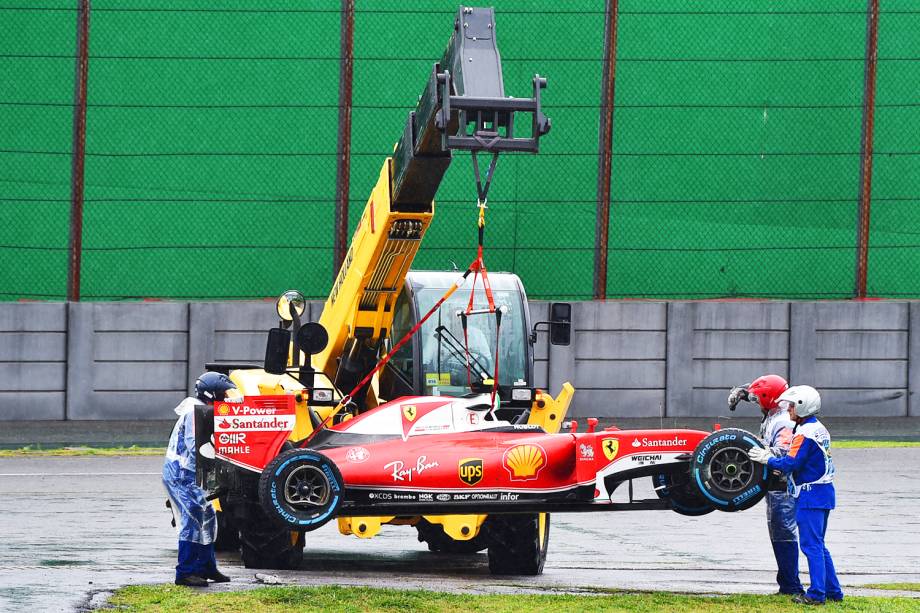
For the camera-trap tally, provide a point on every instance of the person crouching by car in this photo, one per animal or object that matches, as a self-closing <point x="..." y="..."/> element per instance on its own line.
<point x="195" y="518"/>
<point x="810" y="472"/>
<point x="776" y="433"/>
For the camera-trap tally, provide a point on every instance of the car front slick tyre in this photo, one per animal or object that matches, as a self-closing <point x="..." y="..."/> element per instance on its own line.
<point x="681" y="494"/>
<point x="300" y="489"/>
<point x="723" y="473"/>
<point x="517" y="543"/>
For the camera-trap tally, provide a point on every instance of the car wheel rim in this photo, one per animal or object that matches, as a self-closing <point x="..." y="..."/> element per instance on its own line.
<point x="306" y="486"/>
<point x="731" y="469"/>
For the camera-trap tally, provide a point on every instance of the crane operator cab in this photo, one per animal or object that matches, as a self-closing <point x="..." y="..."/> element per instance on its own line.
<point x="441" y="360"/>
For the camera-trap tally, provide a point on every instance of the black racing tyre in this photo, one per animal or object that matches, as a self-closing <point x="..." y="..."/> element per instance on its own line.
<point x="264" y="545"/>
<point x="724" y="474"/>
<point x="517" y="543"/>
<point x="682" y="495"/>
<point x="228" y="536"/>
<point x="439" y="541"/>
<point x="301" y="489"/>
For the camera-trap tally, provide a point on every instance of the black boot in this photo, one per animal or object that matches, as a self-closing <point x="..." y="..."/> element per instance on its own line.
<point x="217" y="577"/>
<point x="805" y="599"/>
<point x="192" y="581"/>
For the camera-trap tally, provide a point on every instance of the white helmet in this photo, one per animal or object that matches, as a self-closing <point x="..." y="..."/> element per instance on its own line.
<point x="805" y="398"/>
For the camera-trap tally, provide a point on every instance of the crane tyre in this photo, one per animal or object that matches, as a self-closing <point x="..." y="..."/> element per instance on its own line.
<point x="264" y="545"/>
<point x="517" y="543"/>
<point x="439" y="541"/>
<point x="228" y="536"/>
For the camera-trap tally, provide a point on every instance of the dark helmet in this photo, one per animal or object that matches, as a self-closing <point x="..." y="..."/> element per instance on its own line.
<point x="213" y="386"/>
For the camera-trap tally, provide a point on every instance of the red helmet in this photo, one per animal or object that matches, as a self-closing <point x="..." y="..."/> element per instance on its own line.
<point x="767" y="389"/>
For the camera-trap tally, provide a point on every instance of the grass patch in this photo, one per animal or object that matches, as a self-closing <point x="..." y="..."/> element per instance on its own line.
<point x="871" y="444"/>
<point x="901" y="587"/>
<point x="81" y="451"/>
<point x="170" y="598"/>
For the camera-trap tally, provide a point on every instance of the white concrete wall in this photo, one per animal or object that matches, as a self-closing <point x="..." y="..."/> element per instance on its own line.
<point x="33" y="354"/>
<point x="627" y="359"/>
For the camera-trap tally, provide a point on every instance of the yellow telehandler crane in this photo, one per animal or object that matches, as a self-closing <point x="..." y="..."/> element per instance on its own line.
<point x="332" y="368"/>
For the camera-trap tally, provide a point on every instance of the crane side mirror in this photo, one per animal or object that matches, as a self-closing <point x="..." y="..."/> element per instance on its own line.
<point x="560" y="328"/>
<point x="276" y="351"/>
<point x="312" y="338"/>
<point x="290" y="304"/>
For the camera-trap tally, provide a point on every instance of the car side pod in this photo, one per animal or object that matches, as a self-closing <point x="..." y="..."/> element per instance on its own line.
<point x="301" y="489"/>
<point x="724" y="474"/>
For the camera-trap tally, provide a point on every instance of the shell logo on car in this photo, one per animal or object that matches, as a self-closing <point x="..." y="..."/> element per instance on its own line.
<point x="223" y="409"/>
<point x="524" y="462"/>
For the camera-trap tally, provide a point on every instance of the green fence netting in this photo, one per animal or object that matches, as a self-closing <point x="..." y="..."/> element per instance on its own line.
<point x="212" y="131"/>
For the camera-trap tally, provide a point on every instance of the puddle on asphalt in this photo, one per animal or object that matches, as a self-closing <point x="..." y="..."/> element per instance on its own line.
<point x="64" y="563"/>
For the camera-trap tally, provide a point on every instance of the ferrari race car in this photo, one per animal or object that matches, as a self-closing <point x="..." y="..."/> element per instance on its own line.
<point x="434" y="455"/>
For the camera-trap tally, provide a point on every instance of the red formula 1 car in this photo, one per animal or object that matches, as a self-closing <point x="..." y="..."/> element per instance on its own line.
<point x="439" y="455"/>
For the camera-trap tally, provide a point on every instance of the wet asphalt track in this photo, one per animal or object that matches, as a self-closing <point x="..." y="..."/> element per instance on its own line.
<point x="74" y="528"/>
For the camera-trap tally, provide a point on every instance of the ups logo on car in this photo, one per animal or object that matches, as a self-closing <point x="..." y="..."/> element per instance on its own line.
<point x="471" y="470"/>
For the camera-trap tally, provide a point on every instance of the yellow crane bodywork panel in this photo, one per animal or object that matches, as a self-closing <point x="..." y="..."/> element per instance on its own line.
<point x="549" y="412"/>
<point x="379" y="256"/>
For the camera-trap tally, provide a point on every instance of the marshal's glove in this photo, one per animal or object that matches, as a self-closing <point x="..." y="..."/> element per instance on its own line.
<point x="761" y="456"/>
<point x="735" y="396"/>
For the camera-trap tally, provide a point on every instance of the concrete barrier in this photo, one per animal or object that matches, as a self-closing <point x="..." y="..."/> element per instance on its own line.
<point x="134" y="361"/>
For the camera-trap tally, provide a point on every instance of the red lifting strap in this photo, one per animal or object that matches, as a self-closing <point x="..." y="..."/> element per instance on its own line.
<point x="386" y="358"/>
<point x="476" y="267"/>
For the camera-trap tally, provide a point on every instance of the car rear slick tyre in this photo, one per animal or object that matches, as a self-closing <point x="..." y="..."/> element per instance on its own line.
<point x="724" y="474"/>
<point x="517" y="543"/>
<point x="301" y="489"/>
<point x="681" y="494"/>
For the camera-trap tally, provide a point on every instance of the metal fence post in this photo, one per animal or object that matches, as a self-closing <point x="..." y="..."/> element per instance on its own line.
<point x="865" y="148"/>
<point x="343" y="149"/>
<point x="913" y="359"/>
<point x="78" y="153"/>
<point x="605" y="149"/>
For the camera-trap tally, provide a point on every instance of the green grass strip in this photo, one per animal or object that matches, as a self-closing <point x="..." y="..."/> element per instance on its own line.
<point x="901" y="587"/>
<point x="169" y="598"/>
<point x="82" y="451"/>
<point x="873" y="444"/>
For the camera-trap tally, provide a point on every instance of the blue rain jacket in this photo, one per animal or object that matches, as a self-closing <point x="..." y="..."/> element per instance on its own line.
<point x="809" y="466"/>
<point x="196" y="520"/>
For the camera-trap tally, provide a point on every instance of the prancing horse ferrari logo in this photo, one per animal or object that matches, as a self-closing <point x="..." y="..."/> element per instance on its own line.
<point x="409" y="412"/>
<point x="610" y="447"/>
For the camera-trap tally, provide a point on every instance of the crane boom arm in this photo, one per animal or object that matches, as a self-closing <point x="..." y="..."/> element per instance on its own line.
<point x="463" y="106"/>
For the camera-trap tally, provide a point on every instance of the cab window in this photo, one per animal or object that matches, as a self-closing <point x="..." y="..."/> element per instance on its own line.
<point x="402" y="323"/>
